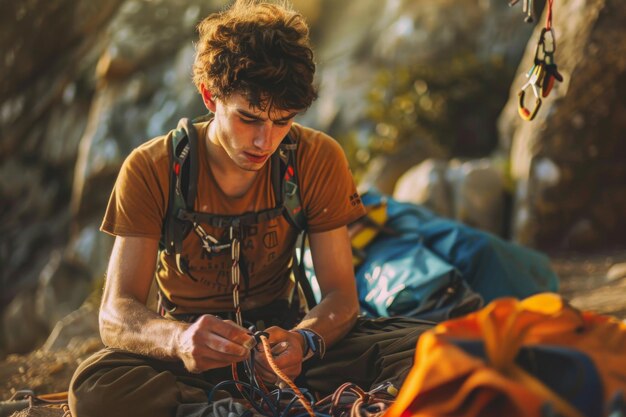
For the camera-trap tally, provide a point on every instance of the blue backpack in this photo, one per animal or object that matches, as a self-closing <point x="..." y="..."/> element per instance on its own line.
<point x="417" y="264"/>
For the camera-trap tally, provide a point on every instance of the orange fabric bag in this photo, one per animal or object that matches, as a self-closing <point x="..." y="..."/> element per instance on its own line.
<point x="447" y="381"/>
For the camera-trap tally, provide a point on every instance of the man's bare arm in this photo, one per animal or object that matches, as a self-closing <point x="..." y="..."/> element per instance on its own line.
<point x="333" y="317"/>
<point x="126" y="323"/>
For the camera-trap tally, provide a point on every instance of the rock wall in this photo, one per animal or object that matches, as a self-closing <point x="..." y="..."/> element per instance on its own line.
<point x="570" y="162"/>
<point x="90" y="80"/>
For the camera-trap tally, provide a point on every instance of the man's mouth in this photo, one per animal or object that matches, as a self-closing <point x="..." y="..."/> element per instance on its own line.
<point x="257" y="159"/>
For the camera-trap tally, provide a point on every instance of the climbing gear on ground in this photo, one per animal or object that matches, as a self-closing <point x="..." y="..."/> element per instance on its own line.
<point x="24" y="399"/>
<point x="347" y="400"/>
<point x="544" y="72"/>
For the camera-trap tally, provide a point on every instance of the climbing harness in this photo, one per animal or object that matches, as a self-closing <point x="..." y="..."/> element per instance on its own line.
<point x="181" y="218"/>
<point x="544" y="72"/>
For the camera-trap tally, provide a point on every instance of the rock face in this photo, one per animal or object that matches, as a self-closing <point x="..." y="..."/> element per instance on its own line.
<point x="570" y="162"/>
<point x="107" y="75"/>
<point x="49" y="51"/>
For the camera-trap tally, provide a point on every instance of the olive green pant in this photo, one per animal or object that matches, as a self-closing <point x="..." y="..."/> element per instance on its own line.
<point x="117" y="383"/>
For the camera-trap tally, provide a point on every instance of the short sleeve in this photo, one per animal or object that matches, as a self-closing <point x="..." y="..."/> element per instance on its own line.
<point x="329" y="195"/>
<point x="139" y="199"/>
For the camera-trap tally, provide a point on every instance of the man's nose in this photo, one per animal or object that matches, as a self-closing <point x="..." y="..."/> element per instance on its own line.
<point x="264" y="137"/>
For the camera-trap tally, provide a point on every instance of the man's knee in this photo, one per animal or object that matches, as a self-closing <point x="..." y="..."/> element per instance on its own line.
<point x="84" y="398"/>
<point x="119" y="383"/>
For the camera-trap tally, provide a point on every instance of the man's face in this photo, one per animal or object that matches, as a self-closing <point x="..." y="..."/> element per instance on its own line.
<point x="249" y="136"/>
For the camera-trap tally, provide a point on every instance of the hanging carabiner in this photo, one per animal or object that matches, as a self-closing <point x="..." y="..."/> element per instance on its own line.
<point x="535" y="78"/>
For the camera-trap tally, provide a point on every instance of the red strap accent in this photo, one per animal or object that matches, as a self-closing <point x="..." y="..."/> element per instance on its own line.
<point x="176" y="168"/>
<point x="549" y="15"/>
<point x="289" y="172"/>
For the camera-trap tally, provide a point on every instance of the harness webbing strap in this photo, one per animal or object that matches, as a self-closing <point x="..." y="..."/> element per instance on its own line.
<point x="216" y="220"/>
<point x="277" y="184"/>
<point x="193" y="161"/>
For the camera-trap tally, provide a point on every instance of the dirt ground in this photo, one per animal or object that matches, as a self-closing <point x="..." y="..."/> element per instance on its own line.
<point x="591" y="282"/>
<point x="594" y="282"/>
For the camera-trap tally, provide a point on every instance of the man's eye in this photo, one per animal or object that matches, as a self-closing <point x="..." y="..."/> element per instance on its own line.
<point x="282" y="123"/>
<point x="248" y="121"/>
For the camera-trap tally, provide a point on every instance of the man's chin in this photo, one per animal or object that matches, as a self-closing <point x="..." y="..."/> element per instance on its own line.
<point x="251" y="166"/>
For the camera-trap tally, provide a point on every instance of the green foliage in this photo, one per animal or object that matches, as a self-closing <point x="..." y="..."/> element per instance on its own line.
<point x="453" y="105"/>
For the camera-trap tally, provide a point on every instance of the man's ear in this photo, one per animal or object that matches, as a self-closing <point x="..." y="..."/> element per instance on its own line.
<point x="207" y="98"/>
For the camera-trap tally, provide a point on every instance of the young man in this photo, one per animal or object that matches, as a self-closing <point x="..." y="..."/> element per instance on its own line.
<point x="254" y="70"/>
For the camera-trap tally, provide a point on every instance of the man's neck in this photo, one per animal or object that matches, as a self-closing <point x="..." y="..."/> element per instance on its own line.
<point x="233" y="180"/>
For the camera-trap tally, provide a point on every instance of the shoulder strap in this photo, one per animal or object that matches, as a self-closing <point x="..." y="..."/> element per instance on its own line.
<point x="183" y="185"/>
<point x="286" y="183"/>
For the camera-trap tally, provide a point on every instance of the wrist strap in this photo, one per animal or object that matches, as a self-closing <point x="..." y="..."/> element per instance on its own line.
<point x="314" y="344"/>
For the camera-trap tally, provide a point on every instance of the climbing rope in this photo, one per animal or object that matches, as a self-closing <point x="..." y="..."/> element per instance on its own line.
<point x="268" y="355"/>
<point x="348" y="400"/>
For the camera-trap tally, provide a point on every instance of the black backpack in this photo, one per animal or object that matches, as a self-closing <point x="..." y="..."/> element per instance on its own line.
<point x="180" y="215"/>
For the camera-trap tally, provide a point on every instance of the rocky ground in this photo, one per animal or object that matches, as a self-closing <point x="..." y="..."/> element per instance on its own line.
<point x="596" y="282"/>
<point x="591" y="282"/>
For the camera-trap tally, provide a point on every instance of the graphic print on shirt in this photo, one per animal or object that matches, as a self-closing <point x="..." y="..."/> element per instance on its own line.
<point x="260" y="248"/>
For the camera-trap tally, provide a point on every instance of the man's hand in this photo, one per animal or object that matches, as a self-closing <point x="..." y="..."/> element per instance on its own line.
<point x="287" y="354"/>
<point x="211" y="342"/>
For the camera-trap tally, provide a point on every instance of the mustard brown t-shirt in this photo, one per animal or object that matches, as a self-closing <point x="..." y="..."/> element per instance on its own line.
<point x="138" y="205"/>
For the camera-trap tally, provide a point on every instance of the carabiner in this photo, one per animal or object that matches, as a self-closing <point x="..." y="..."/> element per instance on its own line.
<point x="535" y="78"/>
<point x="546" y="47"/>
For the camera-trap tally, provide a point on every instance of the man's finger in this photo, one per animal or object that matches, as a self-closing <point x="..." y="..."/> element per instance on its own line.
<point x="279" y="348"/>
<point x="227" y="330"/>
<point x="222" y="356"/>
<point x="226" y="347"/>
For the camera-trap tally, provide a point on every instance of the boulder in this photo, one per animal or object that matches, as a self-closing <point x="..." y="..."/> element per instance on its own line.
<point x="22" y="327"/>
<point x="471" y="192"/>
<point x="478" y="194"/>
<point x="78" y="326"/>
<point x="63" y="286"/>
<point x="427" y="184"/>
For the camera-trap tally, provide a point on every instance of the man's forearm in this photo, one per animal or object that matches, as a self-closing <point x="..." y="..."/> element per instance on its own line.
<point x="332" y="318"/>
<point x="129" y="325"/>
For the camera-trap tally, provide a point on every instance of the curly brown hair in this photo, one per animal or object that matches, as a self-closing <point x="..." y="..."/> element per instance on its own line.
<point x="260" y="50"/>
